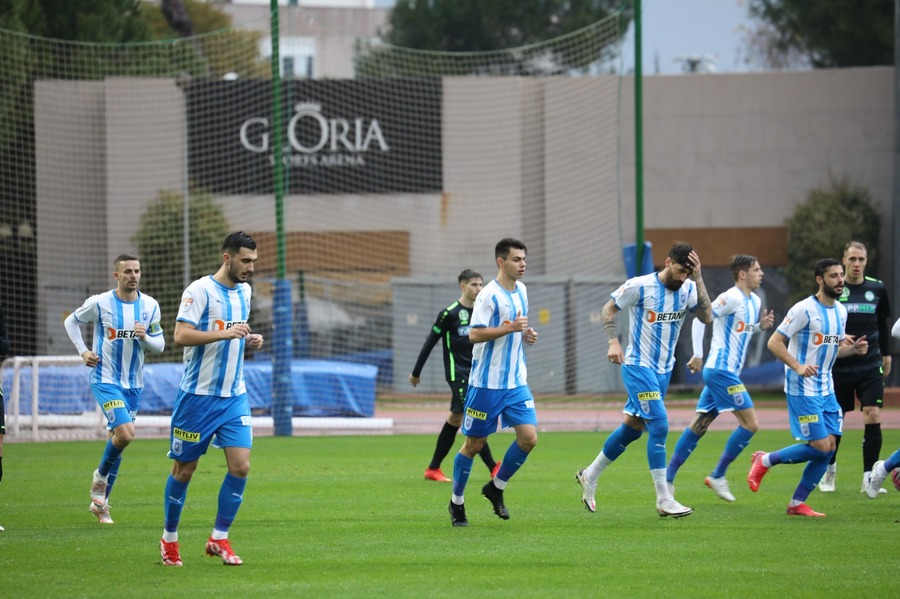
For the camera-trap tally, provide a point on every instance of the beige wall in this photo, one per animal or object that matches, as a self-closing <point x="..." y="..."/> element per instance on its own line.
<point x="536" y="158"/>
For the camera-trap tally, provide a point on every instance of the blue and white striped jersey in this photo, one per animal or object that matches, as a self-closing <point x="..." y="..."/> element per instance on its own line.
<point x="499" y="364"/>
<point x="815" y="332"/>
<point x="215" y="368"/>
<point x="736" y="318"/>
<point x="121" y="353"/>
<point x="655" y="316"/>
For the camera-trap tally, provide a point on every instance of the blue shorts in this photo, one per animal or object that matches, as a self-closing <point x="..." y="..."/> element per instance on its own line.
<point x="119" y="405"/>
<point x="723" y="392"/>
<point x="485" y="406"/>
<point x="196" y="418"/>
<point x="814" y="418"/>
<point x="646" y="391"/>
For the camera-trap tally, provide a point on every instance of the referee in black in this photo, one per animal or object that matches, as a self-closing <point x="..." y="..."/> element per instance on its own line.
<point x="862" y="377"/>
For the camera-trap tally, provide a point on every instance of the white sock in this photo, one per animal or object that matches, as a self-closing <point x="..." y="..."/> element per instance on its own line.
<point x="218" y="535"/>
<point x="794" y="503"/>
<point x="457" y="499"/>
<point x="170" y="537"/>
<point x="500" y="484"/>
<point x="880" y="470"/>
<point x="832" y="468"/>
<point x="659" y="483"/>
<point x="593" y="472"/>
<point x="766" y="462"/>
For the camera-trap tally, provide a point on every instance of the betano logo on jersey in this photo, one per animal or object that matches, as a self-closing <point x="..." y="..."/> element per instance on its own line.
<point x="221" y="325"/>
<point x="820" y="339"/>
<point x="654" y="317"/>
<point x="113" y="334"/>
<point x="743" y="327"/>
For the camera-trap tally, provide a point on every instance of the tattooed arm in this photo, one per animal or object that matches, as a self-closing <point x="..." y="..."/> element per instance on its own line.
<point x="608" y="316"/>
<point x="704" y="305"/>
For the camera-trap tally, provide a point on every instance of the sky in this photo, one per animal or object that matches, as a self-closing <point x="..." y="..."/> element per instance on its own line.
<point x="677" y="28"/>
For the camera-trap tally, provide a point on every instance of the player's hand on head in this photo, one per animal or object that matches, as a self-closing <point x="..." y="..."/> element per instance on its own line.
<point x="694" y="261"/>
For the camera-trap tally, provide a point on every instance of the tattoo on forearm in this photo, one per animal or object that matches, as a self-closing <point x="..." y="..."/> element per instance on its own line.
<point x="609" y="327"/>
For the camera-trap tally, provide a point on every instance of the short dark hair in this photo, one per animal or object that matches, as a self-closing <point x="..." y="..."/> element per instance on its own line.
<point x="501" y="250"/>
<point x="742" y="262"/>
<point x="467" y="275"/>
<point x="679" y="254"/>
<point x="237" y="240"/>
<point x="124" y="258"/>
<point x="824" y="264"/>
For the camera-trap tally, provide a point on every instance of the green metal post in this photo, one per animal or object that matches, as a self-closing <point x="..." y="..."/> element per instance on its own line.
<point x="638" y="139"/>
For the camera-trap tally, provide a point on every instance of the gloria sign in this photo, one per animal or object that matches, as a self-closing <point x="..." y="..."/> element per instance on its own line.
<point x="338" y="136"/>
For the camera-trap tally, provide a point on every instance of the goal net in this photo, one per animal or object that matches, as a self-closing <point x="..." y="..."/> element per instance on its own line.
<point x="396" y="178"/>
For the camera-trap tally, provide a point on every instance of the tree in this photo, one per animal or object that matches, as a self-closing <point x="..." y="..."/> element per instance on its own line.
<point x="160" y="245"/>
<point x="477" y="26"/>
<point x="821" y="34"/>
<point x="230" y="51"/>
<point x="821" y="227"/>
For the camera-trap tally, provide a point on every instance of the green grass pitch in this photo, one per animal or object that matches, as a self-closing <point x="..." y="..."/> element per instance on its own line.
<point x="352" y="517"/>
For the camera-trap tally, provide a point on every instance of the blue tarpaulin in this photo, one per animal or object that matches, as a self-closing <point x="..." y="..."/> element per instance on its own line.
<point x="320" y="388"/>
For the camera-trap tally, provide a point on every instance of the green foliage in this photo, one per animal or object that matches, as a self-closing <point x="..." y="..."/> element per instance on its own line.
<point x="821" y="227"/>
<point x="229" y="51"/>
<point x="824" y="33"/>
<point x="519" y="33"/>
<point x="160" y="245"/>
<point x="351" y="517"/>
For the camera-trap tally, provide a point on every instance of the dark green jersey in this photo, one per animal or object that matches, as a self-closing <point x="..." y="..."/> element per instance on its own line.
<point x="451" y="328"/>
<point x="869" y="314"/>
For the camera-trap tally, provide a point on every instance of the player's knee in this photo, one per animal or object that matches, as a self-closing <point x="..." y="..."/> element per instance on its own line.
<point x="455" y="420"/>
<point x="527" y="443"/>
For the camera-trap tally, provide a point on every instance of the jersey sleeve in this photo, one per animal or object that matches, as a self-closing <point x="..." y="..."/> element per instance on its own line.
<point x="795" y="320"/>
<point x="193" y="302"/>
<point x="483" y="311"/>
<point x="725" y="304"/>
<point x="434" y="335"/>
<point x="88" y="312"/>
<point x="626" y="295"/>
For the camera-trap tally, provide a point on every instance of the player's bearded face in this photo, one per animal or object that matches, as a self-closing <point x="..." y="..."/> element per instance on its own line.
<point x="675" y="277"/>
<point x="833" y="283"/>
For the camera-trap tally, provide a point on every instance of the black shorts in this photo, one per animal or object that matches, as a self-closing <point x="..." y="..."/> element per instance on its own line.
<point x="867" y="386"/>
<point x="458" y="397"/>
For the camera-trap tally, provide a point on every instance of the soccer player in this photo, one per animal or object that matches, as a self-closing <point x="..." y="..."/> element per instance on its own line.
<point x="452" y="327"/>
<point x="808" y="341"/>
<point x="498" y="387"/>
<point x="737" y="317"/>
<point x="890" y="466"/>
<point x="656" y="305"/>
<point x="4" y="350"/>
<point x="212" y="326"/>
<point x="125" y="325"/>
<point x="862" y="377"/>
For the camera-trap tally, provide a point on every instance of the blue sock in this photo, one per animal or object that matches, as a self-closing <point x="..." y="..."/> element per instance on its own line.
<point x="113" y="474"/>
<point x="737" y="442"/>
<point x="892" y="462"/>
<point x="618" y="440"/>
<point x="231" y="493"/>
<point x="512" y="461"/>
<point x="812" y="474"/>
<point x="683" y="449"/>
<point x="462" y="467"/>
<point x="657" y="431"/>
<point x="110" y="455"/>
<point x="176" y="493"/>
<point x="795" y="454"/>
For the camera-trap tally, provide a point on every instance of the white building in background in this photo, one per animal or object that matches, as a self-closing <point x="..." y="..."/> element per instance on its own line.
<point x="317" y="37"/>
